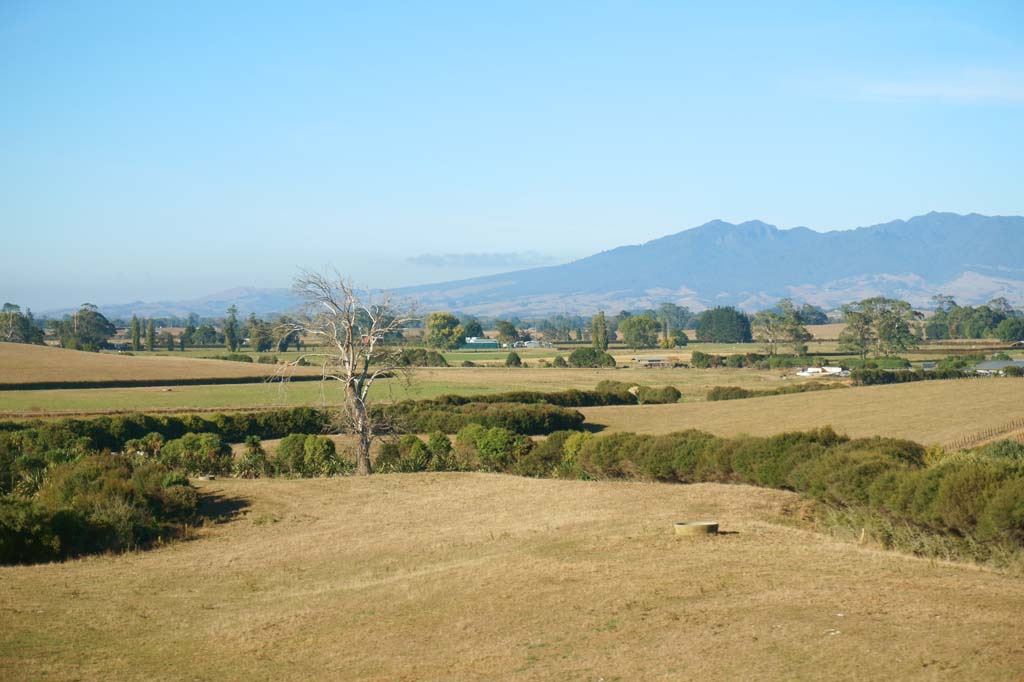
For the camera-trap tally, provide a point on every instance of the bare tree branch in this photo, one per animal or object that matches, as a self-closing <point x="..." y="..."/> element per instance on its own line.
<point x="357" y="333"/>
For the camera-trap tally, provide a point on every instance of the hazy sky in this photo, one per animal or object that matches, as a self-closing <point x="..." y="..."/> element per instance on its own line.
<point x="167" y="150"/>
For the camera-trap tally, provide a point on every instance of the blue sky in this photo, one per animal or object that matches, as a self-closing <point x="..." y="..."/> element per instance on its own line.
<point x="167" y="150"/>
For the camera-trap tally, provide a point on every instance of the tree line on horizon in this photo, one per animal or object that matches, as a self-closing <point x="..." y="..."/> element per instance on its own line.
<point x="877" y="325"/>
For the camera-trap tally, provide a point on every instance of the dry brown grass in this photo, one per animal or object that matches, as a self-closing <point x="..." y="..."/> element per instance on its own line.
<point x="927" y="411"/>
<point x="826" y="332"/>
<point x="21" y="363"/>
<point x="489" y="577"/>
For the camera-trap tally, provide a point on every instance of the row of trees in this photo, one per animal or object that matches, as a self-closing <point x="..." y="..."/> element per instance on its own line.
<point x="997" y="318"/>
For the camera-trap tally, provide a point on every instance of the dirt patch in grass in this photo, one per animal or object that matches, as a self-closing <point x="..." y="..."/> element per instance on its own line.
<point x="483" y="577"/>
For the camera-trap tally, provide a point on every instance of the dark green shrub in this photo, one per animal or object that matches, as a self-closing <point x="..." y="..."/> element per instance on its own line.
<point x="559" y="361"/>
<point x="513" y="360"/>
<point x="611" y="456"/>
<point x="421" y="357"/>
<point x="413" y="454"/>
<point x="388" y="457"/>
<point x="648" y="395"/>
<point x="528" y="419"/>
<point x="1004" y="513"/>
<point x="253" y="463"/>
<point x="267" y="359"/>
<point x="622" y="392"/>
<point x="235" y="357"/>
<point x="727" y="393"/>
<point x="544" y="458"/>
<point x="498" y="448"/>
<point x="1005" y="449"/>
<point x="440" y="447"/>
<point x="590" y="357"/>
<point x="289" y="457"/>
<point x="26" y="535"/>
<point x="965" y="490"/>
<point x="702" y="360"/>
<point x="197" y="453"/>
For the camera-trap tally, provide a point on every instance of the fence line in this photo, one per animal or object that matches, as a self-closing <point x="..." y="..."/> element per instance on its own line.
<point x="964" y="442"/>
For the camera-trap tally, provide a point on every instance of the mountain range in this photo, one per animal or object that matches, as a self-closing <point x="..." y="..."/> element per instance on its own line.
<point x="752" y="265"/>
<point x="973" y="258"/>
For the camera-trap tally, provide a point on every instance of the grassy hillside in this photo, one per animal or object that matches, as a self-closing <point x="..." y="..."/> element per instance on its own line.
<point x="21" y="363"/>
<point x="928" y="411"/>
<point x="482" y="577"/>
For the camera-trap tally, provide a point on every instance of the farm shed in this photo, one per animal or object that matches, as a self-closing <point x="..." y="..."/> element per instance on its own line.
<point x="480" y="342"/>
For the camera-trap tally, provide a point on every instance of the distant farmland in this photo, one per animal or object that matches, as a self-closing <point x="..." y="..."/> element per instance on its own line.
<point x="426" y="383"/>
<point x="22" y="363"/>
<point x="928" y="411"/>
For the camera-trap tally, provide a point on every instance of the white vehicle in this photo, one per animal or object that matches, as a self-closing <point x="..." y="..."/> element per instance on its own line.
<point x="827" y="371"/>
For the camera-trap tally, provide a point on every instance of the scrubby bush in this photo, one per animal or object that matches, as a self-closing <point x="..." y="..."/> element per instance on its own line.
<point x="513" y="360"/>
<point x="559" y="361"/>
<point x="96" y="503"/>
<point x="308" y="456"/>
<point x="197" y="453"/>
<point x="114" y="433"/>
<point x="235" y="357"/>
<point x="26" y="534"/>
<point x="648" y="395"/>
<point x="871" y="377"/>
<point x="727" y="393"/>
<point x="422" y="357"/>
<point x="440" y="447"/>
<point x="449" y="416"/>
<point x="253" y="463"/>
<point x="266" y="359"/>
<point x="623" y="392"/>
<point x="545" y="457"/>
<point x="590" y="357"/>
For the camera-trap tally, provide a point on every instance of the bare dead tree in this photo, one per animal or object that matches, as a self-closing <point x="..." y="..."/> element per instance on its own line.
<point x="352" y="329"/>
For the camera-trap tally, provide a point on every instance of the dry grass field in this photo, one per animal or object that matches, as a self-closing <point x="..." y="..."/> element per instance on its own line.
<point x="926" y="411"/>
<point x="25" y="363"/>
<point x="489" y="577"/>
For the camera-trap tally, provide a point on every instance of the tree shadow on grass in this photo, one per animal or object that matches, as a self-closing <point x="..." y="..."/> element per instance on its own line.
<point x="216" y="507"/>
<point x="593" y="428"/>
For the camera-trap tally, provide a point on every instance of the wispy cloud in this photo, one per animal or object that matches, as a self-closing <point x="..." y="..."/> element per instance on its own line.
<point x="968" y="85"/>
<point x="481" y="260"/>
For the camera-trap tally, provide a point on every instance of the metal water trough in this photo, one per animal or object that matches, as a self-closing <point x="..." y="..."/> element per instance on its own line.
<point x="697" y="528"/>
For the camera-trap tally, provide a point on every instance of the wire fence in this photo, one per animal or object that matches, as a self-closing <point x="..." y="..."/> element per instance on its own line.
<point x="1008" y="428"/>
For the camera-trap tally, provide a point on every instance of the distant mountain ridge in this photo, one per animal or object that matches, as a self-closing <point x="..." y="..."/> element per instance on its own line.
<point x="973" y="258"/>
<point x="247" y="299"/>
<point x="753" y="264"/>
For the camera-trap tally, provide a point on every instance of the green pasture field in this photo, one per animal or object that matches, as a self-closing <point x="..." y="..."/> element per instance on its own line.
<point x="422" y="383"/>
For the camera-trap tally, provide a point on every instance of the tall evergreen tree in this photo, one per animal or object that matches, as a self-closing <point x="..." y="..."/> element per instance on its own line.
<point x="599" y="331"/>
<point x="231" y="336"/>
<point x="136" y="334"/>
<point x="151" y="335"/>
